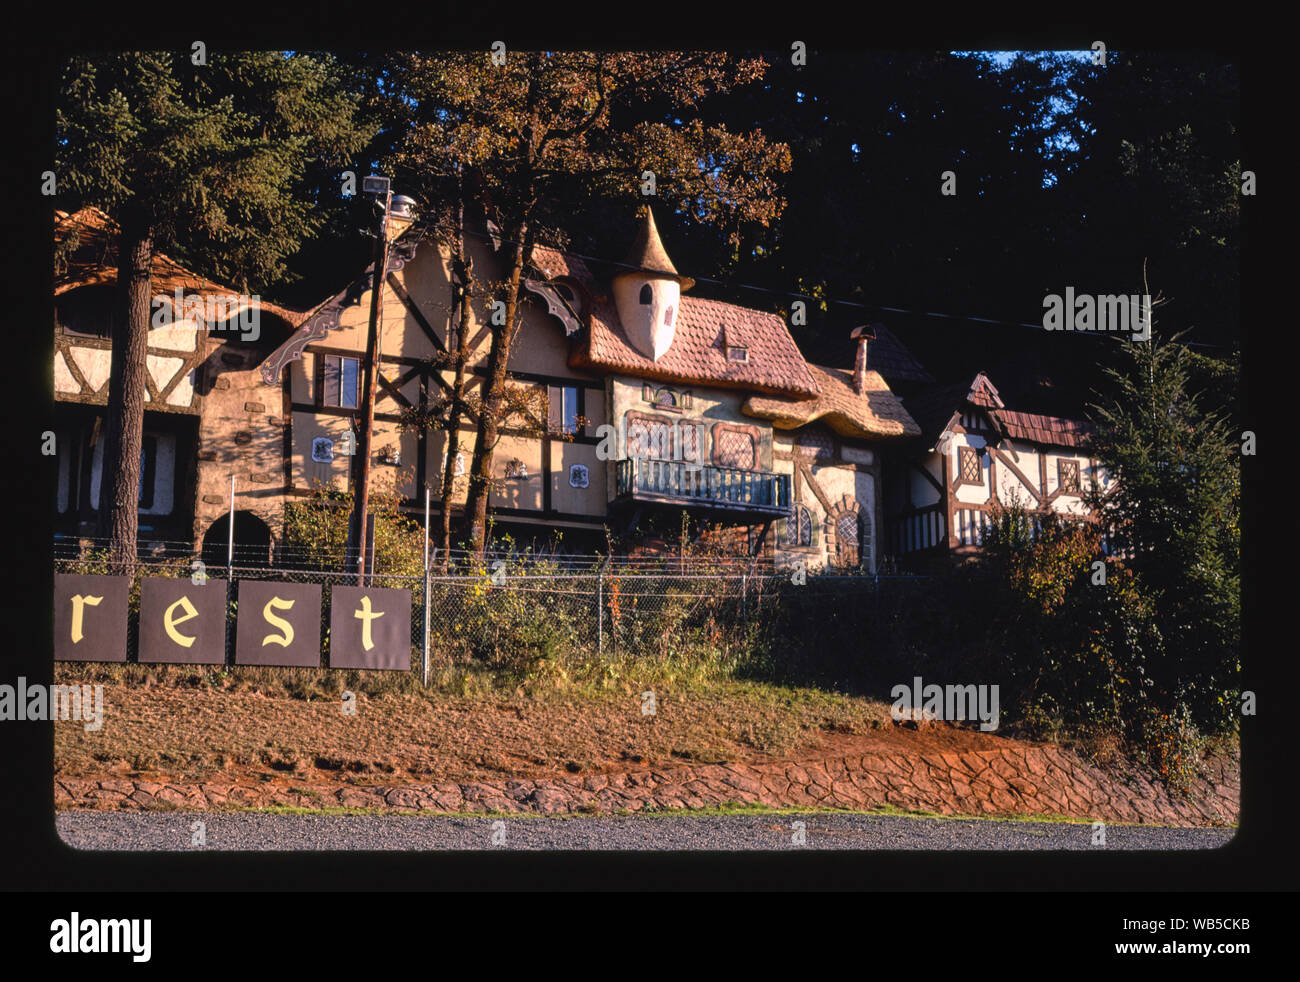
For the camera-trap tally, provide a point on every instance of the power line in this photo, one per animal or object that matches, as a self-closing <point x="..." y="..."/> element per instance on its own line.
<point x="498" y="240"/>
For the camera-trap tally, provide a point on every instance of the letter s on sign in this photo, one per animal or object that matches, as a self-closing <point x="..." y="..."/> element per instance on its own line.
<point x="286" y="638"/>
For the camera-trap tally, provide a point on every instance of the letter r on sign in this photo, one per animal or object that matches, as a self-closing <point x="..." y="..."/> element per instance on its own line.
<point x="79" y="603"/>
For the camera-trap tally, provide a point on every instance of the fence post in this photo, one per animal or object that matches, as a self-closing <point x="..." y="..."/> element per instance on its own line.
<point x="744" y="600"/>
<point x="600" y="610"/>
<point x="230" y="537"/>
<point x="424" y="638"/>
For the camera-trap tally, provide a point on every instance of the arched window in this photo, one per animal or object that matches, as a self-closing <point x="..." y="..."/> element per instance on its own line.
<point x="87" y="311"/>
<point x="647" y="295"/>
<point x="799" y="528"/>
<point x="847" y="540"/>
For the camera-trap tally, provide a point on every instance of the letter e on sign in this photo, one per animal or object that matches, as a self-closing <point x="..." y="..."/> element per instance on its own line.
<point x="182" y="623"/>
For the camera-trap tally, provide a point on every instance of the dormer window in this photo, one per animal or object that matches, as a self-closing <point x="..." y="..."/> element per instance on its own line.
<point x="647" y="295"/>
<point x="734" y="347"/>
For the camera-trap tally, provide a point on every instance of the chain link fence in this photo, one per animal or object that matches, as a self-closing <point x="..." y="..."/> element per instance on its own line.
<point x="505" y="611"/>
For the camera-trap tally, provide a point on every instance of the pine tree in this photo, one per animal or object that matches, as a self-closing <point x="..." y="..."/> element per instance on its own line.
<point x="218" y="163"/>
<point x="1175" y="514"/>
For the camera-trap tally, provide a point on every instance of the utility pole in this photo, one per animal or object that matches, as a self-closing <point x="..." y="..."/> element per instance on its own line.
<point x="384" y="195"/>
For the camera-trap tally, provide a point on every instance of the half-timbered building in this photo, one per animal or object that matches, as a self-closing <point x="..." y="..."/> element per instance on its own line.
<point x="660" y="403"/>
<point x="206" y="416"/>
<point x="972" y="455"/>
<point x="712" y="407"/>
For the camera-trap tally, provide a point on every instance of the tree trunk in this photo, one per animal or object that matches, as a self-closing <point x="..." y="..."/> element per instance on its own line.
<point x="480" y="482"/>
<point x="464" y="273"/>
<point x="124" y="423"/>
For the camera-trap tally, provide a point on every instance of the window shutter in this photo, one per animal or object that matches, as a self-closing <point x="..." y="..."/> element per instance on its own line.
<point x="555" y="408"/>
<point x="148" y="467"/>
<point x="330" y="381"/>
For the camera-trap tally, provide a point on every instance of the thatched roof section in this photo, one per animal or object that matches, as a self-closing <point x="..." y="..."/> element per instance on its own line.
<point x="875" y="412"/>
<point x="93" y="262"/>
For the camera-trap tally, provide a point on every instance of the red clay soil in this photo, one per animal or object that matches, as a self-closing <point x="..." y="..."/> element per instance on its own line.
<point x="507" y="757"/>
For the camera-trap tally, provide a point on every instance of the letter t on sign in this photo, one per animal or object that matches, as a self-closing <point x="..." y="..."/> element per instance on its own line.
<point x="365" y="615"/>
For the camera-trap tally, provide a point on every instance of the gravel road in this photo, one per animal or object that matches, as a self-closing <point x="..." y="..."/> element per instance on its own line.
<point x="175" y="831"/>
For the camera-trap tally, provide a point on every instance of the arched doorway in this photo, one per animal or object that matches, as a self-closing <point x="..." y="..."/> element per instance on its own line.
<point x="844" y="535"/>
<point x="253" y="542"/>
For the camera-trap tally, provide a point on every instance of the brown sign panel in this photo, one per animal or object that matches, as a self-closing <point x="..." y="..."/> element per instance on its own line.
<point x="90" y="617"/>
<point x="182" y="623"/>
<point x="278" y="624"/>
<point x="370" y="628"/>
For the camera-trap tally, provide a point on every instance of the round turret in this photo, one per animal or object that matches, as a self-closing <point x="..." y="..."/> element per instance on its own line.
<point x="647" y="292"/>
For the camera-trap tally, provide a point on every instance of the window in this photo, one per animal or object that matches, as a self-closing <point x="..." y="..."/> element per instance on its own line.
<point x="564" y="409"/>
<point x="457" y="469"/>
<point x="88" y="311"/>
<point x="666" y="398"/>
<point x="734" y="447"/>
<point x="340" y="381"/>
<point x="647" y="295"/>
<point x="847" y="539"/>
<point x="737" y="354"/>
<point x="816" y="443"/>
<point x="1067" y="476"/>
<point x="799" y="528"/>
<point x="148" y="467"/>
<point x="649" y="437"/>
<point x="971" y="471"/>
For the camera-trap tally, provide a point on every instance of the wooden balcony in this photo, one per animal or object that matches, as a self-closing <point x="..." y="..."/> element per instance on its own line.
<point x="679" y="482"/>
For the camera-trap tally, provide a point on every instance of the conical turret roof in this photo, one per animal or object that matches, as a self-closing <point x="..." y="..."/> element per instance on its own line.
<point x="648" y="254"/>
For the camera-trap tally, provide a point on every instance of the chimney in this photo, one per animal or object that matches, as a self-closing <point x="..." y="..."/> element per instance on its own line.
<point x="862" y="335"/>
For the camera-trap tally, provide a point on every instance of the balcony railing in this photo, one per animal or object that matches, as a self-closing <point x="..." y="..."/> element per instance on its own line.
<point x="684" y="483"/>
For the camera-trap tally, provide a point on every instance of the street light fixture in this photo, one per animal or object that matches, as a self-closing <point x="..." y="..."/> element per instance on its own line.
<point x="400" y="207"/>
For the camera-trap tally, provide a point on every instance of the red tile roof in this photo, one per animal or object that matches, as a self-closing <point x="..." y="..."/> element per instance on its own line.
<point x="698" y="354"/>
<point x="1048" y="430"/>
<point x="933" y="408"/>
